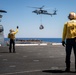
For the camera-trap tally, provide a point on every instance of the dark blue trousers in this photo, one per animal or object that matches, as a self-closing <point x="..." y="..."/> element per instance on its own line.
<point x="12" y="42"/>
<point x="70" y="45"/>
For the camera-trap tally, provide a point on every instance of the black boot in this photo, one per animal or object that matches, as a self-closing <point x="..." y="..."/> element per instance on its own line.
<point x="67" y="70"/>
<point x="9" y="51"/>
<point x="67" y="67"/>
<point x="14" y="51"/>
<point x="75" y="68"/>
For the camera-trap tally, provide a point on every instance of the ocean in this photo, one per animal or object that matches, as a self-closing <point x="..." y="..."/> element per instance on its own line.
<point x="53" y="40"/>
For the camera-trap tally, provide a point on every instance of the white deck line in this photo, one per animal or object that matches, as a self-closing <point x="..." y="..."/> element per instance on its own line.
<point x="20" y="72"/>
<point x="26" y="44"/>
<point x="30" y="44"/>
<point x="56" y="43"/>
<point x="43" y="44"/>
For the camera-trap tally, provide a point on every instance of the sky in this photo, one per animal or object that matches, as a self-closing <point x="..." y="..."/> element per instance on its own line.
<point x="19" y="14"/>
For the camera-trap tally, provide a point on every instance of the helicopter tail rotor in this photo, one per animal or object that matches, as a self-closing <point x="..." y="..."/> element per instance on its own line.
<point x="55" y="12"/>
<point x="41" y="7"/>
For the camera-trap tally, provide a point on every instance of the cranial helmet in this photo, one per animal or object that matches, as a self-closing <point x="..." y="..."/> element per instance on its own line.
<point x="11" y="30"/>
<point x="72" y="15"/>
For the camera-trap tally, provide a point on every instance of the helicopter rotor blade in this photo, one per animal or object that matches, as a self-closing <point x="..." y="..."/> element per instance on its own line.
<point x="3" y="11"/>
<point x="32" y="7"/>
<point x="36" y="7"/>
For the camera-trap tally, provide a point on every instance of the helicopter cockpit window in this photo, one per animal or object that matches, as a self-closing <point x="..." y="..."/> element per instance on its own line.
<point x="1" y="28"/>
<point x="41" y="27"/>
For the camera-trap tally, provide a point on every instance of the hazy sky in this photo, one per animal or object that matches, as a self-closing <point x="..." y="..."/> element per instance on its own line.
<point x="19" y="14"/>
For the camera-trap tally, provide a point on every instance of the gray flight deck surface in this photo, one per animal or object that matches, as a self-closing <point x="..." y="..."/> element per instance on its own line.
<point x="35" y="60"/>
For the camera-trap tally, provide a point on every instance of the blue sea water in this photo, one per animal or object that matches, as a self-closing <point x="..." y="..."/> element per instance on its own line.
<point x="56" y="40"/>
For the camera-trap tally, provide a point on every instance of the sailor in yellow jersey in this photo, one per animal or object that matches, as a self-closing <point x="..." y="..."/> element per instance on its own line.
<point x="69" y="35"/>
<point x="11" y="36"/>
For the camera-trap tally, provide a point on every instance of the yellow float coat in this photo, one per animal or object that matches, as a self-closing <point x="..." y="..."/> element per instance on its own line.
<point x="69" y="30"/>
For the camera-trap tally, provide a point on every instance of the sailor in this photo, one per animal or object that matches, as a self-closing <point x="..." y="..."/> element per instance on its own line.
<point x="69" y="35"/>
<point x="11" y="36"/>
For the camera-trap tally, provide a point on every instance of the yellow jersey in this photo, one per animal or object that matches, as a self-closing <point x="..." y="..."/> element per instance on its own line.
<point x="12" y="34"/>
<point x="69" y="30"/>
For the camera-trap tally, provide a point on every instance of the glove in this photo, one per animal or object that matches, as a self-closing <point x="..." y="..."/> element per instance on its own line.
<point x="17" y="27"/>
<point x="63" y="43"/>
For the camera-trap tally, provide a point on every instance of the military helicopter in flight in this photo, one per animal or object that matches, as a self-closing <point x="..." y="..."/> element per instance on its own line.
<point x="40" y="10"/>
<point x="1" y="28"/>
<point x="2" y="11"/>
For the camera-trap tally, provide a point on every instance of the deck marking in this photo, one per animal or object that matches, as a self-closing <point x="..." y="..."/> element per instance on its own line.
<point x="51" y="56"/>
<point x="25" y="56"/>
<point x="35" y="60"/>
<point x="54" y="68"/>
<point x="20" y="72"/>
<point x="4" y="59"/>
<point x="12" y="66"/>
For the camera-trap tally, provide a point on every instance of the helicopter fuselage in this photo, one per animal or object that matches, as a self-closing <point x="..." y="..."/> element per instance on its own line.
<point x="39" y="11"/>
<point x="43" y="12"/>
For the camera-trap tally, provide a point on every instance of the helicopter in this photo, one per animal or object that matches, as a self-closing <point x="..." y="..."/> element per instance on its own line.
<point x="2" y="28"/>
<point x="2" y="11"/>
<point x="40" y="10"/>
